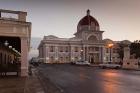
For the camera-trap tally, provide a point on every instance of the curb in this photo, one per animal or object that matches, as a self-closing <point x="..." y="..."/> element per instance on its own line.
<point x="130" y="69"/>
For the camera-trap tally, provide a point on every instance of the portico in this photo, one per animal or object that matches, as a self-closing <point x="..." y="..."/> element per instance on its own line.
<point x="17" y="27"/>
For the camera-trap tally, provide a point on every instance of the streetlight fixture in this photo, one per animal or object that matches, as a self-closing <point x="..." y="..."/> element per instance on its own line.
<point x="6" y="43"/>
<point x="10" y="47"/>
<point x="110" y="47"/>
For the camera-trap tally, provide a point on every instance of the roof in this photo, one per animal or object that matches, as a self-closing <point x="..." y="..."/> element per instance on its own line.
<point x="88" y="20"/>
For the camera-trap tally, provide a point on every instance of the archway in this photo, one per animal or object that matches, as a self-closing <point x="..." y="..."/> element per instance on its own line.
<point x="92" y="39"/>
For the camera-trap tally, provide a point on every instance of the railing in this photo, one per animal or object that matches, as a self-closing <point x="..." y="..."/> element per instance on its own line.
<point x="10" y="67"/>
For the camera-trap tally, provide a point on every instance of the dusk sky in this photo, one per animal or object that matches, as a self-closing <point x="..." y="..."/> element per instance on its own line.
<point x="120" y="19"/>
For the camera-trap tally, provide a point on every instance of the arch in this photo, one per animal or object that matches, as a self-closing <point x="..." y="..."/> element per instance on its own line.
<point x="92" y="38"/>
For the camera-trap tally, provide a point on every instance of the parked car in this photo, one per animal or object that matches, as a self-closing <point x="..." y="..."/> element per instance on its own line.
<point x="110" y="65"/>
<point x="81" y="63"/>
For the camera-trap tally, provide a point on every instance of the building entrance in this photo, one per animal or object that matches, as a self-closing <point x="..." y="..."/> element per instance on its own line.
<point x="93" y="58"/>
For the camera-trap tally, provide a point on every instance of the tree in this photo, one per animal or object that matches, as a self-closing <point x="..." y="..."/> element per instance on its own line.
<point x="120" y="50"/>
<point x="135" y="48"/>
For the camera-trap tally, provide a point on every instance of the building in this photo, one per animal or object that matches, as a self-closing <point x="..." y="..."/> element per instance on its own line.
<point x="111" y="54"/>
<point x="16" y="32"/>
<point x="87" y="45"/>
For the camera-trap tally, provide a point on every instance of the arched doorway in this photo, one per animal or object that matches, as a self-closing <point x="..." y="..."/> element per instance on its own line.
<point x="93" y="58"/>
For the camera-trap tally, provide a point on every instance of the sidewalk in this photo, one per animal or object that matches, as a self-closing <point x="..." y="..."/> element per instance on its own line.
<point x="12" y="84"/>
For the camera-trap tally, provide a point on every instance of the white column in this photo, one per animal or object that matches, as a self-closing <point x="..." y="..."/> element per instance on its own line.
<point x="24" y="57"/>
<point x="84" y="52"/>
<point x="104" y="53"/>
<point x="44" y="53"/>
<point x="47" y="54"/>
<point x="72" y="54"/>
<point x="56" y="53"/>
<point x="101" y="54"/>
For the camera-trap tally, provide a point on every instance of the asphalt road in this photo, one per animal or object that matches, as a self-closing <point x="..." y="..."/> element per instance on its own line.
<point x="84" y="79"/>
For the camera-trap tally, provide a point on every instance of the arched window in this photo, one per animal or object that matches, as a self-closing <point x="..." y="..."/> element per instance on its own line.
<point x="92" y="39"/>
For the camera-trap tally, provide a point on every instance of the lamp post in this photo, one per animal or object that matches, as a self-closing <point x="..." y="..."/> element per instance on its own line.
<point x="110" y="47"/>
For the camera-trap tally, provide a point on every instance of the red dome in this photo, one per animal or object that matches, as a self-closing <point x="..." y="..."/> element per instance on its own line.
<point x="88" y="21"/>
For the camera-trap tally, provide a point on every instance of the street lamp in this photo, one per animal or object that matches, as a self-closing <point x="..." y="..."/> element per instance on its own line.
<point x="6" y="43"/>
<point x="110" y="47"/>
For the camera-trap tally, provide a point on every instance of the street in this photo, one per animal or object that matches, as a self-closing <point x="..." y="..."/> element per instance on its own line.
<point x="83" y="79"/>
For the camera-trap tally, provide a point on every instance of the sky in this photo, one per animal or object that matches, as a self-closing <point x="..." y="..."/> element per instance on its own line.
<point x="120" y="19"/>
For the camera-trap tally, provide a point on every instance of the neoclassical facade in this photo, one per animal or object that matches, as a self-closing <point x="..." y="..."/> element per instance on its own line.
<point x="87" y="45"/>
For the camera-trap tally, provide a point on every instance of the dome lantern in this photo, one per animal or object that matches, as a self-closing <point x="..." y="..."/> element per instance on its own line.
<point x="88" y="12"/>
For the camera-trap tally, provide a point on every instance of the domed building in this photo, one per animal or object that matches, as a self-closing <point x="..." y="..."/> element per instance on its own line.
<point x="87" y="45"/>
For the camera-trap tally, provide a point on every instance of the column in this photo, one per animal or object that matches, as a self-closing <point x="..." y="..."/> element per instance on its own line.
<point x="47" y="54"/>
<point x="84" y="51"/>
<point x="24" y="57"/>
<point x="44" y="53"/>
<point x="87" y="55"/>
<point x="56" y="53"/>
<point x="69" y="53"/>
<point x="72" y="55"/>
<point x="101" y="54"/>
<point x="104" y="54"/>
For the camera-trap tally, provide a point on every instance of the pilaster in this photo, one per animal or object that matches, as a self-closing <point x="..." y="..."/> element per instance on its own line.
<point x="24" y="57"/>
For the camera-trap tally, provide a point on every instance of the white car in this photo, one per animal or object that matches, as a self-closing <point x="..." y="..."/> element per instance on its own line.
<point x="82" y="63"/>
<point x="110" y="65"/>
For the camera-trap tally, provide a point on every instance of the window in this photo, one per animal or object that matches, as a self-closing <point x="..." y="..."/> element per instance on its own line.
<point x="51" y="58"/>
<point x="107" y="50"/>
<point x="114" y="50"/>
<point x="107" y="59"/>
<point x="67" y="59"/>
<point x="113" y="59"/>
<point x="51" y="48"/>
<point x="61" y="59"/>
<point x="91" y="48"/>
<point x="92" y="39"/>
<point x="76" y="58"/>
<point x="60" y="49"/>
<point x="67" y="49"/>
<point x="76" y="49"/>
<point x="96" y="48"/>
